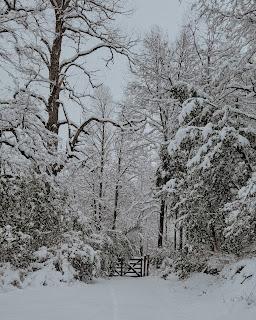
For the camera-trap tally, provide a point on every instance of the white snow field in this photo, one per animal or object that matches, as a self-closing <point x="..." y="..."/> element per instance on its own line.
<point x="148" y="298"/>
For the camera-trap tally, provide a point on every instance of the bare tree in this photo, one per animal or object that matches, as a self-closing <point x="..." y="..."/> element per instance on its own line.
<point x="50" y="45"/>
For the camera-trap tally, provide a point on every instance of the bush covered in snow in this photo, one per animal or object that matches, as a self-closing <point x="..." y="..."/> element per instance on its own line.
<point x="53" y="266"/>
<point x="240" y="231"/>
<point x="111" y="247"/>
<point x="36" y="232"/>
<point x="32" y="216"/>
<point x="183" y="264"/>
<point x="42" y="242"/>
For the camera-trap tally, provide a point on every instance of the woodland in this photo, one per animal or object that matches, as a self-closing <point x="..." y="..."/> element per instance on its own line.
<point x="167" y="171"/>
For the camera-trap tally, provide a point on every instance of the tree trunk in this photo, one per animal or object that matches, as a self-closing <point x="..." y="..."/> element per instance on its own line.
<point x="117" y="186"/>
<point x="175" y="231"/>
<point x="102" y="164"/>
<point x="215" y="246"/>
<point x="54" y="71"/>
<point x="94" y="205"/>
<point x="161" y="224"/>
<point x="181" y="239"/>
<point x="115" y="206"/>
<point x="166" y="224"/>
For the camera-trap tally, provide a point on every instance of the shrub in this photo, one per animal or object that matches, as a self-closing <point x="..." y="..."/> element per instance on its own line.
<point x="31" y="216"/>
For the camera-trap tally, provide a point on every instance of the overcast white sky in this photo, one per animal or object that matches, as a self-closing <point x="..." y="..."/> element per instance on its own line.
<point x="168" y="14"/>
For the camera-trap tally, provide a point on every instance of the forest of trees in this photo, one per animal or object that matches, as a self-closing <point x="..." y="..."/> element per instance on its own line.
<point x="169" y="171"/>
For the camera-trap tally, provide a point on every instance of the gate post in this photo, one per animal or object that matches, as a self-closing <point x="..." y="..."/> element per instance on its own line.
<point x="147" y="265"/>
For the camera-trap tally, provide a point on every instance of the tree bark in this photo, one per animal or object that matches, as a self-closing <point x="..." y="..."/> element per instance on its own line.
<point x="161" y="224"/>
<point x="54" y="69"/>
<point x="102" y="164"/>
<point x="175" y="231"/>
<point x="215" y="246"/>
<point x="117" y="185"/>
<point x="181" y="239"/>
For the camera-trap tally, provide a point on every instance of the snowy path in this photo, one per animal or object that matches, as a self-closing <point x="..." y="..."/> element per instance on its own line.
<point x="118" y="299"/>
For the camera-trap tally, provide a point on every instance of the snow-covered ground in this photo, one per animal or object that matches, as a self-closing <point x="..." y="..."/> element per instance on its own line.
<point x="151" y="298"/>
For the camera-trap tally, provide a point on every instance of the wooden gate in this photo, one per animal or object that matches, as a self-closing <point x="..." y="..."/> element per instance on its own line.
<point x="136" y="267"/>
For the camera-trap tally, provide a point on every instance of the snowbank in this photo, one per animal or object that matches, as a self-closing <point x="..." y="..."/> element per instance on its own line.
<point x="231" y="294"/>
